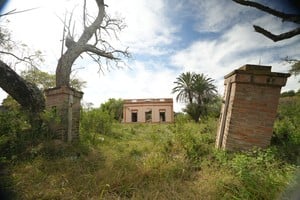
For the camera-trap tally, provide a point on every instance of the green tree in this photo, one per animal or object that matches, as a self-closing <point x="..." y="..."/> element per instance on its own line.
<point x="295" y="67"/>
<point x="289" y="93"/>
<point x="44" y="80"/>
<point x="183" y="87"/>
<point x="204" y="91"/>
<point x="114" y="107"/>
<point x="198" y="90"/>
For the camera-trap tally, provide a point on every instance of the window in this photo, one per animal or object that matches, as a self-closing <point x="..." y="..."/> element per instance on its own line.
<point x="134" y="116"/>
<point x="162" y="116"/>
<point x="148" y="116"/>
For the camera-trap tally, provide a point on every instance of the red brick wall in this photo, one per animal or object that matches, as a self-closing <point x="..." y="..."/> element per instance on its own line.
<point x="249" y="111"/>
<point x="58" y="99"/>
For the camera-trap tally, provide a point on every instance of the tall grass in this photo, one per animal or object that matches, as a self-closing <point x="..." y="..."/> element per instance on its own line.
<point x="155" y="161"/>
<point x="151" y="161"/>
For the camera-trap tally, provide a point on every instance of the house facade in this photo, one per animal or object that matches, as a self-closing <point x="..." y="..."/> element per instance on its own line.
<point x="148" y="110"/>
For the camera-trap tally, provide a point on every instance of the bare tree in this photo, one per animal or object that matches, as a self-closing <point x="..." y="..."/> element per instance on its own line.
<point x="27" y="94"/>
<point x="100" y="48"/>
<point x="284" y="16"/>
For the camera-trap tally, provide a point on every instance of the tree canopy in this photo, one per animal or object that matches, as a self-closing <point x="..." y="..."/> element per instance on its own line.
<point x="198" y="91"/>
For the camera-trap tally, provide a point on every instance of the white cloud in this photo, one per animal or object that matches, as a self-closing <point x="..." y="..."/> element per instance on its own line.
<point x="215" y="15"/>
<point x="148" y="28"/>
<point x="238" y="46"/>
<point x="147" y="32"/>
<point x="151" y="35"/>
<point x="141" y="80"/>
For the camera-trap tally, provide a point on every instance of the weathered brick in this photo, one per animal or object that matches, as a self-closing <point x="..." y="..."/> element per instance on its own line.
<point x="64" y="100"/>
<point x="251" y="107"/>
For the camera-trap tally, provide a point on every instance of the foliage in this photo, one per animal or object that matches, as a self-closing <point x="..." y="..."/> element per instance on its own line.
<point x="13" y="132"/>
<point x="149" y="161"/>
<point x="252" y="169"/>
<point x="153" y="161"/>
<point x="182" y="118"/>
<point x="94" y="122"/>
<point x="183" y="87"/>
<point x="295" y="68"/>
<point x="194" y="110"/>
<point x="198" y="91"/>
<point x="289" y="93"/>
<point x="16" y="133"/>
<point x="114" y="107"/>
<point x="287" y="129"/>
<point x="45" y="80"/>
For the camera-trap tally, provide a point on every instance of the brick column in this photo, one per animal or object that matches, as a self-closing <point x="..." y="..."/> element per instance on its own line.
<point x="65" y="101"/>
<point x="249" y="108"/>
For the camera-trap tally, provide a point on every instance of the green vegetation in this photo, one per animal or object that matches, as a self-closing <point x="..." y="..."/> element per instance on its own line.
<point x="114" y="107"/>
<point x="44" y="80"/>
<point x="199" y="92"/>
<point x="148" y="161"/>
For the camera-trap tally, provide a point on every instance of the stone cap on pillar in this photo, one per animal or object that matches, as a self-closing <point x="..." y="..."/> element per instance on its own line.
<point x="257" y="74"/>
<point x="63" y="90"/>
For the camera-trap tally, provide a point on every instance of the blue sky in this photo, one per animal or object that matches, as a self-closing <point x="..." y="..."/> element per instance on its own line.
<point x="166" y="38"/>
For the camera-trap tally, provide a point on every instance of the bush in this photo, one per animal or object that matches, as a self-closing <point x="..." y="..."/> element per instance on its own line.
<point x="258" y="175"/>
<point x="94" y="122"/>
<point x="196" y="140"/>
<point x="287" y="129"/>
<point x="13" y="132"/>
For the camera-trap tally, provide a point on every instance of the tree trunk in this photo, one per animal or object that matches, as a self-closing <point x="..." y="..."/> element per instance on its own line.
<point x="64" y="66"/>
<point x="25" y="93"/>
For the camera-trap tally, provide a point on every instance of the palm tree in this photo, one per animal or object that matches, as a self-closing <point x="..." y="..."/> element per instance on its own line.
<point x="184" y="85"/>
<point x="196" y="89"/>
<point x="204" y="92"/>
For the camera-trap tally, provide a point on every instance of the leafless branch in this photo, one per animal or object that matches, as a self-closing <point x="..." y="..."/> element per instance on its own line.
<point x="283" y="16"/>
<point x="100" y="52"/>
<point x="27" y="59"/>
<point x="279" y="37"/>
<point x="64" y="35"/>
<point x="111" y="25"/>
<point x="98" y="28"/>
<point x="290" y="60"/>
<point x="96" y="60"/>
<point x="14" y="11"/>
<point x="84" y="14"/>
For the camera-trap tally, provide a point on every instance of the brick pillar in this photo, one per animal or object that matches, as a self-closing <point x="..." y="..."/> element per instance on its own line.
<point x="65" y="102"/>
<point x="249" y="108"/>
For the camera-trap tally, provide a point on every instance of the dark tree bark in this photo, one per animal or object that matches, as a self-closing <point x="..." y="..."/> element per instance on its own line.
<point x="284" y="16"/>
<point x="25" y="93"/>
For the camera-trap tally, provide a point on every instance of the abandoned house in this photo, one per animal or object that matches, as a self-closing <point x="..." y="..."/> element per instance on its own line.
<point x="148" y="110"/>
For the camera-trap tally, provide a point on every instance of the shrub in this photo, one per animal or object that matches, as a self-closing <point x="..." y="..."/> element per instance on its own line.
<point x="253" y="169"/>
<point x="94" y="122"/>
<point x="13" y="132"/>
<point x="287" y="129"/>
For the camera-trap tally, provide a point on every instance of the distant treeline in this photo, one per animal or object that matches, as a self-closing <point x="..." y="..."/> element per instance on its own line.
<point x="290" y="93"/>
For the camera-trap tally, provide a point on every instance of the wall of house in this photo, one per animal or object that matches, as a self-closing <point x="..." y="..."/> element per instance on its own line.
<point x="141" y="106"/>
<point x="250" y="104"/>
